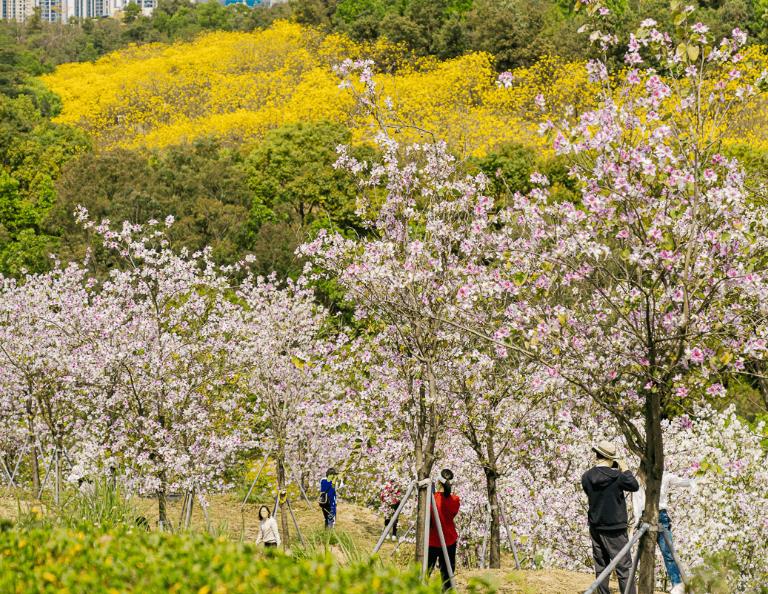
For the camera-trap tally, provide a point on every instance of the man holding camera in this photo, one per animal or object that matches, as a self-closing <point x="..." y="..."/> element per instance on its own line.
<point x="605" y="484"/>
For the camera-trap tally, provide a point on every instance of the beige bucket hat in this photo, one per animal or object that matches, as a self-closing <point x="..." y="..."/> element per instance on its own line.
<point x="606" y="449"/>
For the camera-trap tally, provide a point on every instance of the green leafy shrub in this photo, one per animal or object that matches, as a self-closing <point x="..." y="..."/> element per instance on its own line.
<point x="719" y="575"/>
<point x="124" y="559"/>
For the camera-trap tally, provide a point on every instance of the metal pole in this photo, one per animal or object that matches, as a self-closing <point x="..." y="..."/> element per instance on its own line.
<point x="393" y="519"/>
<point x="439" y="525"/>
<point x="48" y="468"/>
<point x="632" y="572"/>
<point x="253" y="484"/>
<point x="668" y="539"/>
<point x="295" y="523"/>
<point x="402" y="538"/>
<point x="8" y="473"/>
<point x="183" y="511"/>
<point x="622" y="553"/>
<point x="425" y="540"/>
<point x="511" y="541"/>
<point x="18" y="461"/>
<point x="276" y="506"/>
<point x="66" y="455"/>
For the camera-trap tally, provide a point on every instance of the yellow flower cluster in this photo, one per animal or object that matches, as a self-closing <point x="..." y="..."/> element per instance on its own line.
<point x="229" y="85"/>
<point x="237" y="86"/>
<point x="746" y="128"/>
<point x="562" y="84"/>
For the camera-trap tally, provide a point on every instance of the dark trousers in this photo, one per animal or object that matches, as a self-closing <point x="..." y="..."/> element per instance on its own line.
<point x="435" y="555"/>
<point x="329" y="516"/>
<point x="606" y="544"/>
<point x="394" y="526"/>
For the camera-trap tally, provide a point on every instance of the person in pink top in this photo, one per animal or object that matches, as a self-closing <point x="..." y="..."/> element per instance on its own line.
<point x="390" y="499"/>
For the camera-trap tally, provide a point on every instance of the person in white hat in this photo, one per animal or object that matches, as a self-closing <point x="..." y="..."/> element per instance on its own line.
<point x="605" y="484"/>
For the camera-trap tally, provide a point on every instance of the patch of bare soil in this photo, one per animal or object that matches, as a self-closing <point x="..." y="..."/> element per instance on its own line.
<point x="530" y="582"/>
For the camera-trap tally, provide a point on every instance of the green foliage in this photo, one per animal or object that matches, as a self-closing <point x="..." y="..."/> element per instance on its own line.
<point x="131" y="13"/>
<point x="296" y="190"/>
<point x="133" y="560"/>
<point x="718" y="575"/>
<point x="32" y="153"/>
<point x="41" y="45"/>
<point x="202" y="185"/>
<point x="516" y="32"/>
<point x="509" y="170"/>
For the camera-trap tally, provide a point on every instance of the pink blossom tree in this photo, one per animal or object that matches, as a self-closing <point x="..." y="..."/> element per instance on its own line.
<point x="41" y="327"/>
<point x="402" y="278"/>
<point x="170" y="406"/>
<point x="651" y="288"/>
<point x="498" y="399"/>
<point x="285" y="346"/>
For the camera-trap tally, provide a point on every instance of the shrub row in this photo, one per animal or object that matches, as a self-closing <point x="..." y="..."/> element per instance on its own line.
<point x="122" y="559"/>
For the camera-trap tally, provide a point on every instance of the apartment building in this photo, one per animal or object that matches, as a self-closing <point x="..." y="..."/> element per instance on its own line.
<point x="16" y="10"/>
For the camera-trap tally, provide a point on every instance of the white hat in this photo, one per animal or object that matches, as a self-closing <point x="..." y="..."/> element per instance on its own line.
<point x="606" y="449"/>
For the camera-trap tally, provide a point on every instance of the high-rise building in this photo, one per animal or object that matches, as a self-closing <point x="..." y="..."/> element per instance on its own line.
<point x="86" y="9"/>
<point x="60" y="11"/>
<point x="52" y="11"/>
<point x="16" y="10"/>
<point x="147" y="6"/>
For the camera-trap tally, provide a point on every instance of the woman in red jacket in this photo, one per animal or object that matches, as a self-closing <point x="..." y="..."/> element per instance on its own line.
<point x="447" y="508"/>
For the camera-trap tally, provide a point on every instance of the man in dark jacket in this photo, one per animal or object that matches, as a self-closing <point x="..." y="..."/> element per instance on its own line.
<point x="605" y="484"/>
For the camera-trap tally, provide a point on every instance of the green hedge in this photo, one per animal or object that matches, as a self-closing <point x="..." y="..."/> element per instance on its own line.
<point x="69" y="561"/>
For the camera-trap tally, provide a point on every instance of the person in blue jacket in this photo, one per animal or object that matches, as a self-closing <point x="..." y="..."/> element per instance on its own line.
<point x="328" y="498"/>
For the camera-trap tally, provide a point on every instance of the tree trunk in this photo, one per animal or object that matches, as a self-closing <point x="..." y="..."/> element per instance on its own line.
<point x="162" y="511"/>
<point x="426" y="437"/>
<point x="495" y="535"/>
<point x="285" y="535"/>
<point x="653" y="467"/>
<point x="33" y="446"/>
<point x="424" y="462"/>
<point x="423" y="501"/>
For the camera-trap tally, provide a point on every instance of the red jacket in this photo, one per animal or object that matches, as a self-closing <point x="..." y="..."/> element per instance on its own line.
<point x="447" y="507"/>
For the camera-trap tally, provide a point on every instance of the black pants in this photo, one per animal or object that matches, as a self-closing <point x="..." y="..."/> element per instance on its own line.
<point x="606" y="544"/>
<point x="435" y="555"/>
<point x="330" y="518"/>
<point x="386" y="521"/>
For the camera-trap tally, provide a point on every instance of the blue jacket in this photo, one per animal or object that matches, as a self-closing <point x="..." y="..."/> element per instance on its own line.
<point x="326" y="486"/>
